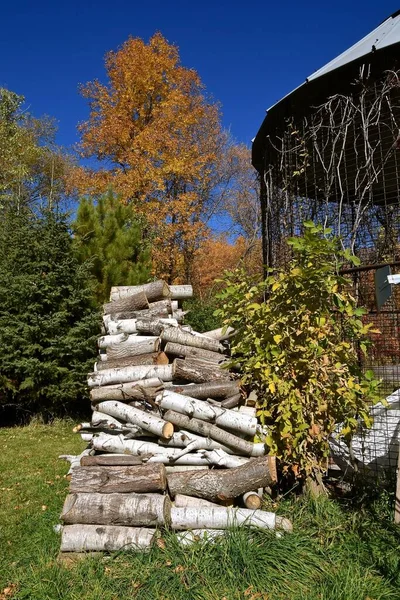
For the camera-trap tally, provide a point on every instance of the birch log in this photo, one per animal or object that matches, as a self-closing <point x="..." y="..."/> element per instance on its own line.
<point x="192" y="352"/>
<point x="135" y="302"/>
<point x="204" y="429"/>
<point x="121" y="326"/>
<point x="152" y="358"/>
<point x="220" y="334"/>
<point x="133" y="347"/>
<point x="154" y="326"/>
<point x="112" y="460"/>
<point x="232" y="401"/>
<point x="217" y="485"/>
<point x="207" y="458"/>
<point x="156" y="290"/>
<point x="182" y="468"/>
<point x="252" y="500"/>
<point x="178" y="336"/>
<point x="143" y="389"/>
<point x="221" y="517"/>
<point x="108" y="538"/>
<point x="137" y="510"/>
<point x="211" y="389"/>
<point x="129" y="374"/>
<point x="192" y="442"/>
<point x="182" y="501"/>
<point x="191" y="370"/>
<point x="198" y="409"/>
<point x="145" y="420"/>
<point x="109" y="340"/>
<point x="181" y="292"/>
<point x="159" y="308"/>
<point x="123" y="479"/>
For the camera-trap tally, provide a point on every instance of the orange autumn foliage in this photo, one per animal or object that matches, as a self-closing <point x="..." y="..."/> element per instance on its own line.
<point x="158" y="142"/>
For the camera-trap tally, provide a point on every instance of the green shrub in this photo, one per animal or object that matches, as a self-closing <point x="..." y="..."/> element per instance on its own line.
<point x="201" y="315"/>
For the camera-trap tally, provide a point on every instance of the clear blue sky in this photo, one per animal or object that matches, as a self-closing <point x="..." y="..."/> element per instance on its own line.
<point x="249" y="54"/>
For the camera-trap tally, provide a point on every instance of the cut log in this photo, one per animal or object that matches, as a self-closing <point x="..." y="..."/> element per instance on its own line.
<point x="192" y="442"/>
<point x="153" y="358"/>
<point x="204" y="429"/>
<point x="99" y="418"/>
<point x="144" y="389"/>
<point x="145" y="420"/>
<point x="181" y="292"/>
<point x="130" y="374"/>
<point x="193" y="536"/>
<point x="220" y="517"/>
<point x="190" y="370"/>
<point x="177" y="336"/>
<point x="137" y="510"/>
<point x="220" y="334"/>
<point x="154" y="326"/>
<point x="213" y="457"/>
<point x="108" y="538"/>
<point x="121" y="326"/>
<point x="182" y="501"/>
<point x="122" y="479"/>
<point x="156" y="290"/>
<point x="135" y="302"/>
<point x="133" y="347"/>
<point x="192" y="352"/>
<point x="217" y="485"/>
<point x="231" y="402"/>
<point x="109" y="340"/>
<point x="179" y="314"/>
<point x="120" y="445"/>
<point x="160" y="307"/>
<point x="181" y="468"/>
<point x="112" y="460"/>
<point x="198" y="409"/>
<point x="252" y="500"/>
<point x="211" y="389"/>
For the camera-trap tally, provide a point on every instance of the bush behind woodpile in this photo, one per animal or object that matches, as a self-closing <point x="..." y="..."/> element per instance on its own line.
<point x="201" y="314"/>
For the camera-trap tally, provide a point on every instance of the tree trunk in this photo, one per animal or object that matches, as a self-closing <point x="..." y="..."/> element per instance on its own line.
<point x="191" y="352"/>
<point x="156" y="290"/>
<point x="130" y="374"/>
<point x="112" y="460"/>
<point x="106" y="480"/>
<point x="109" y="538"/>
<point x="144" y="389"/>
<point x="220" y="517"/>
<point x="133" y="347"/>
<point x="226" y="438"/>
<point x="210" y="389"/>
<point x="181" y="292"/>
<point x="145" y="420"/>
<point x="199" y="409"/>
<point x="220" y="485"/>
<point x="190" y="370"/>
<point x="216" y="334"/>
<point x="178" y="336"/>
<point x="182" y="501"/>
<point x="135" y="302"/>
<point x="136" y="510"/>
<point x="152" y="358"/>
<point x="231" y="402"/>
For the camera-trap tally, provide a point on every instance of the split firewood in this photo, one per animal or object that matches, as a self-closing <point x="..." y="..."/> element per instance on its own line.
<point x="122" y="479"/>
<point x="220" y="517"/>
<point x="210" y="389"/>
<point x="108" y="538"/>
<point x="178" y="336"/>
<point x="206" y="430"/>
<point x="198" y="409"/>
<point x="135" y="302"/>
<point x="198" y="372"/>
<point x="153" y="358"/>
<point x="223" y="333"/>
<point x="137" y="510"/>
<point x="192" y="352"/>
<point x="217" y="485"/>
<point x="112" y="460"/>
<point x="129" y="374"/>
<point x="144" y="389"/>
<point x="156" y="290"/>
<point x="182" y="501"/>
<point x="145" y="420"/>
<point x="231" y="402"/>
<point x="133" y="347"/>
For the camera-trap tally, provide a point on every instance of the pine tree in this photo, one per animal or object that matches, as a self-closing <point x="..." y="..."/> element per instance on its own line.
<point x="110" y="234"/>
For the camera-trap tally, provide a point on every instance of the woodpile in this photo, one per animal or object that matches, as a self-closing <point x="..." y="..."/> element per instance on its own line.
<point x="171" y="439"/>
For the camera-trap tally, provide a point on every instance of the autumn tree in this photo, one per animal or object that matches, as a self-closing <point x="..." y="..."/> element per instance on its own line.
<point x="158" y="142"/>
<point x="110" y="235"/>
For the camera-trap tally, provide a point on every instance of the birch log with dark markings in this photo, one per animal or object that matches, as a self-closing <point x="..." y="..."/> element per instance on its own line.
<point x="162" y="306"/>
<point x="135" y="302"/>
<point x="191" y="352"/>
<point x="220" y="517"/>
<point x="147" y="421"/>
<point x="121" y="326"/>
<point x="182" y="501"/>
<point x="204" y="429"/>
<point x="156" y="290"/>
<point x="178" y="336"/>
<point x="211" y="389"/>
<point x="217" y="485"/>
<point x="190" y="370"/>
<point x="231" y="402"/>
<point x="146" y="389"/>
<point x="106" y="538"/>
<point x="129" y="348"/>
<point x="112" y="460"/>
<point x="153" y="358"/>
<point x="181" y="292"/>
<point x="137" y="510"/>
<point x="220" y="334"/>
<point x="129" y="374"/>
<point x="152" y="326"/>
<point x="122" y="479"/>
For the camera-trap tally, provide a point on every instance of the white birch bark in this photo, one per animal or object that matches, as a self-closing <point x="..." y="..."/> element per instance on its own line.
<point x="107" y="538"/>
<point x="220" y="517"/>
<point x="121" y="326"/>
<point x="177" y="336"/>
<point x="155" y="290"/>
<point x="145" y="420"/>
<point x="182" y="501"/>
<point x="192" y="352"/>
<point x="133" y="348"/>
<point x="117" y="444"/>
<point x="130" y="374"/>
<point x="181" y="292"/>
<point x="184" y="468"/>
<point x="220" y="334"/>
<point x="193" y="442"/>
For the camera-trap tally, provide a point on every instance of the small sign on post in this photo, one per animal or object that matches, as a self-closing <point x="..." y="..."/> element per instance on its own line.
<point x="383" y="289"/>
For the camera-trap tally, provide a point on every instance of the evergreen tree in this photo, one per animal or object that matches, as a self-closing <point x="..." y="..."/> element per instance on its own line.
<point x="110" y="234"/>
<point x="48" y="319"/>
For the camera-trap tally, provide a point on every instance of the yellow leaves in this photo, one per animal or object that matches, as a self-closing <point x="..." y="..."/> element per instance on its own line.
<point x="272" y="387"/>
<point x="277" y="338"/>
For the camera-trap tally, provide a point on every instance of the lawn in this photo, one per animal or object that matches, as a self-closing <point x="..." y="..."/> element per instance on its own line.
<point x="338" y="551"/>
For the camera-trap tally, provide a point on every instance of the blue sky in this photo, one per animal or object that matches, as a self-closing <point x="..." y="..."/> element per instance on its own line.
<point x="248" y="54"/>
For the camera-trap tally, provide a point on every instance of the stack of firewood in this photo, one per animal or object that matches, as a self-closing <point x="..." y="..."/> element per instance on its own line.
<point x="169" y="422"/>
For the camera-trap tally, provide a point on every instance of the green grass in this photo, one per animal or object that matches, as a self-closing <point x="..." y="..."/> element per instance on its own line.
<point x="337" y="551"/>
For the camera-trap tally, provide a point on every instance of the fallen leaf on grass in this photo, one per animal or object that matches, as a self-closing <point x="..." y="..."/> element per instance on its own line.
<point x="8" y="592"/>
